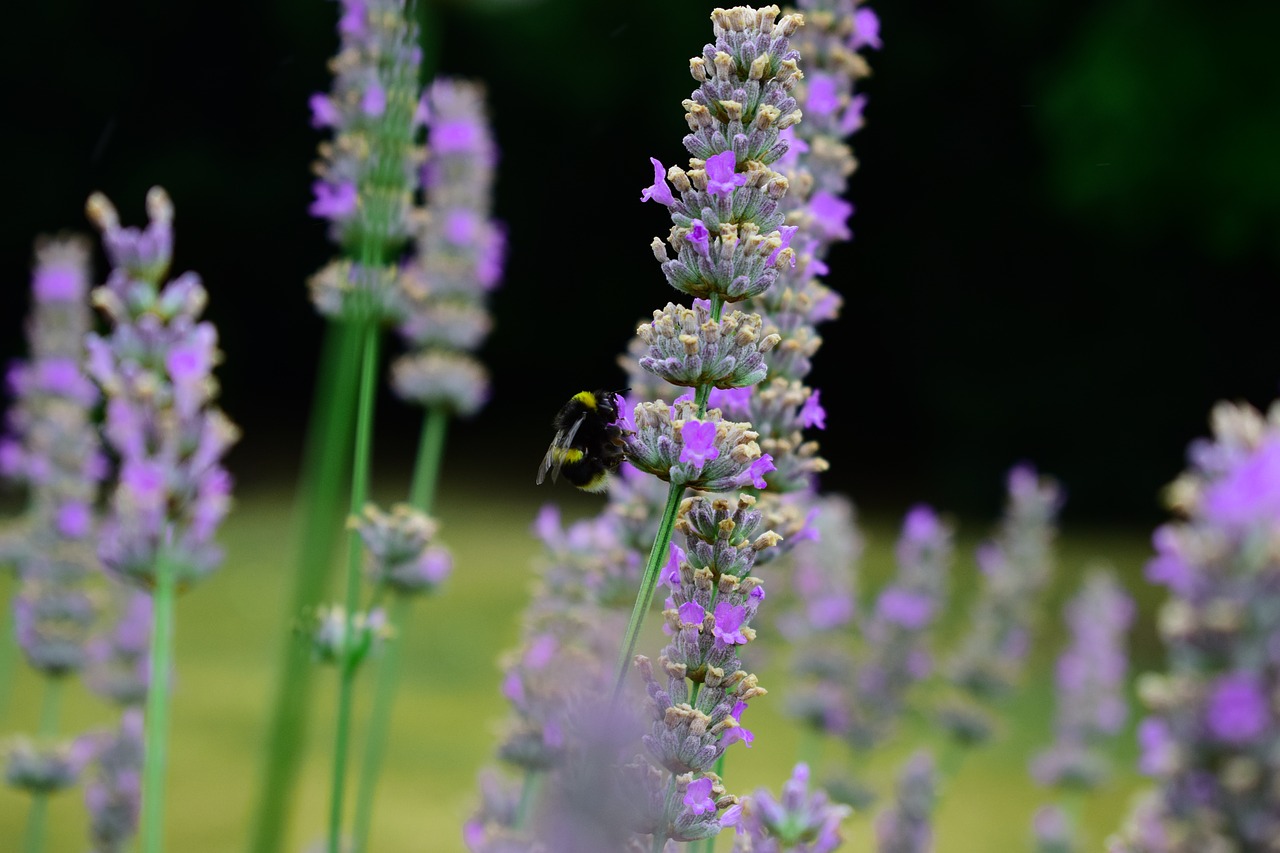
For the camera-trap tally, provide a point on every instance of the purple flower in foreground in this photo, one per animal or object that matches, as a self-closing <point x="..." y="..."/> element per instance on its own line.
<point x="729" y="623"/>
<point x="739" y="732"/>
<point x="659" y="191"/>
<point x="721" y="177"/>
<point x="698" y="796"/>
<point x="699" y="443"/>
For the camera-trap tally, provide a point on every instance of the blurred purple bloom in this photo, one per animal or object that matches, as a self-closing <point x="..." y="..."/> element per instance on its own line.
<point x="1237" y="711"/>
<point x="787" y="232"/>
<point x="866" y="29"/>
<point x="812" y="414"/>
<point x="911" y="610"/>
<point x="824" y="97"/>
<point x="831" y="215"/>
<point x="333" y="202"/>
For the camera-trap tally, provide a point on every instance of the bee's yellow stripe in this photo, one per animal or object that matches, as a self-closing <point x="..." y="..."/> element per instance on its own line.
<point x="586" y="398"/>
<point x="565" y="455"/>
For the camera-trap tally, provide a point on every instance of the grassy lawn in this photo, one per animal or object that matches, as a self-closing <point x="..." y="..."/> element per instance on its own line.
<point x="230" y="629"/>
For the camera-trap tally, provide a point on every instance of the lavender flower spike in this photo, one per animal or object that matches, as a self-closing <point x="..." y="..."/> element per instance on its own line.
<point x="1210" y="740"/>
<point x="726" y="219"/>
<point x="905" y="827"/>
<point x="801" y="821"/>
<point x="155" y="369"/>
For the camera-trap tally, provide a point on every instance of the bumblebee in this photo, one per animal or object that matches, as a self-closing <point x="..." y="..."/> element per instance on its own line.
<point x="588" y="442"/>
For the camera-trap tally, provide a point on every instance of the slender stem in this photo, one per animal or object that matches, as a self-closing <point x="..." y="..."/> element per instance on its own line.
<point x="157" y="714"/>
<point x="359" y="492"/>
<point x="528" y="793"/>
<point x="380" y="721"/>
<point x="8" y="654"/>
<point x="33" y="836"/>
<point x="648" y="583"/>
<point x="426" y="470"/>
<point x="323" y="480"/>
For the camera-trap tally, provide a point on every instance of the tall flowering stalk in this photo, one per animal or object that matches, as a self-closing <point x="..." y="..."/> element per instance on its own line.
<point x="800" y="821"/>
<point x="51" y="445"/>
<point x="456" y="262"/>
<point x="155" y="370"/>
<point x="906" y="826"/>
<point x="1212" y="739"/>
<point x="367" y="178"/>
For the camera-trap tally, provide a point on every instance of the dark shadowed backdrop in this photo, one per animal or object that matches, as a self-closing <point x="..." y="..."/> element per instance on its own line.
<point x="1067" y="237"/>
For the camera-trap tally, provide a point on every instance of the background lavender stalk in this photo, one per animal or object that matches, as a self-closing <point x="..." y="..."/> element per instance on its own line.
<point x="457" y="261"/>
<point x="155" y="370"/>
<point x="368" y="179"/>
<point x="906" y="826"/>
<point x="1210" y="739"/>
<point x="50" y="444"/>
<point x="1091" y="707"/>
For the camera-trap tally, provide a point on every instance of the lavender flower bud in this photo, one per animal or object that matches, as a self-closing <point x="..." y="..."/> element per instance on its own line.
<point x="1090" y="681"/>
<point x="155" y="368"/>
<point x="113" y="794"/>
<point x="718" y="535"/>
<point x="45" y="768"/>
<point x="328" y="632"/>
<point x="54" y="615"/>
<point x="340" y="282"/>
<point x="400" y="551"/>
<point x="712" y="454"/>
<point x="1052" y="830"/>
<point x="454" y="381"/>
<point x="119" y="660"/>
<point x="800" y="820"/>
<point x="906" y="826"/>
<point x="779" y="411"/>
<point x="686" y="347"/>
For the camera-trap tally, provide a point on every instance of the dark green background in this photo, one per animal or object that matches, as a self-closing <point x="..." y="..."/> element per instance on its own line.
<point x="1066" y="239"/>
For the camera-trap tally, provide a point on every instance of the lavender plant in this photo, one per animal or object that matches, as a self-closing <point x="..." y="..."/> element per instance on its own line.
<point x="1210" y="739"/>
<point x="906" y="826"/>
<point x="155" y="370"/>
<point x="50" y="445"/>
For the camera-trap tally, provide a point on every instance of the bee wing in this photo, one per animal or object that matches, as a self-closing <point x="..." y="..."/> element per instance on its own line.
<point x="552" y="462"/>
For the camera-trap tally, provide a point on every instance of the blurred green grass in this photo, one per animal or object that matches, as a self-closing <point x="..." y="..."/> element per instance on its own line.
<point x="229" y="632"/>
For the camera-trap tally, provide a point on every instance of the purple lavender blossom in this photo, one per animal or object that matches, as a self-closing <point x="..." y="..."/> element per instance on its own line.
<point x="800" y="821"/>
<point x="905" y="827"/>
<point x="1209" y="741"/>
<point x="169" y="436"/>
<point x="659" y="191"/>
<point x="1090" y="683"/>
<point x="113" y="794"/>
<point x="402" y="553"/>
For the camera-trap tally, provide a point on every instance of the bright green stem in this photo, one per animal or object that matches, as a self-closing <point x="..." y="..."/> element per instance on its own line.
<point x="8" y="655"/>
<point x="157" y="718"/>
<point x="426" y="471"/>
<point x="324" y="478"/>
<point x="33" y="837"/>
<point x="528" y="793"/>
<point x="359" y="493"/>
<point x="380" y="721"/>
<point x="648" y="583"/>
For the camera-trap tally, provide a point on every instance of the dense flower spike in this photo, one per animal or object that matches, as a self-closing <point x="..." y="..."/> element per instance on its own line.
<point x="367" y="174"/>
<point x="155" y="369"/>
<point x="905" y="827"/>
<point x="454" y="381"/>
<point x="1090" y="682"/>
<point x="1016" y="568"/>
<point x="711" y="453"/>
<point x="800" y="821"/>
<point x="1210" y="740"/>
<point x="113" y="793"/>
<point x="40" y="768"/>
<point x="458" y="247"/>
<point x="726" y="218"/>
<point x="687" y="347"/>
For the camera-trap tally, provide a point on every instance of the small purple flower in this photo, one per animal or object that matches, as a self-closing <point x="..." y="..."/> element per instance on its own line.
<point x="866" y="29"/>
<point x="728" y="625"/>
<point x="698" y="796"/>
<point x="699" y="442"/>
<point x="454" y="136"/>
<point x="911" y="610"/>
<point x="323" y="111"/>
<point x="658" y="191"/>
<point x="1250" y="491"/>
<point x="333" y="202"/>
<point x="74" y="519"/>
<point x="812" y="414"/>
<point x="721" y="177"/>
<point x="700" y="237"/>
<point x="739" y="732"/>
<point x="824" y="97"/>
<point x="1237" y="711"/>
<point x="1158" y="748"/>
<point x="734" y="402"/>
<point x="691" y="613"/>
<point x="787" y="232"/>
<point x="758" y="469"/>
<point x="831" y="215"/>
<point x="671" y="573"/>
<point x="852" y="120"/>
<point x="373" y="102"/>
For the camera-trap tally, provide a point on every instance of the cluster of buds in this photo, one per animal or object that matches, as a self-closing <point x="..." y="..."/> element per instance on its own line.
<point x="798" y="820"/>
<point x="155" y="369"/>
<point x="457" y="259"/>
<point x="1210" y="740"/>
<point x="401" y="552"/>
<point x="709" y="453"/>
<point x="906" y="826"/>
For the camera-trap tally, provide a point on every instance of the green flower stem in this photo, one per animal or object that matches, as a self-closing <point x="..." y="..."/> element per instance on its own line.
<point x="34" y="836"/>
<point x="157" y="714"/>
<point x="380" y="721"/>
<point x="371" y="337"/>
<point x="426" y="471"/>
<point x="8" y="656"/>
<point x="648" y="583"/>
<point x="324" y="472"/>
<point x="528" y="793"/>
